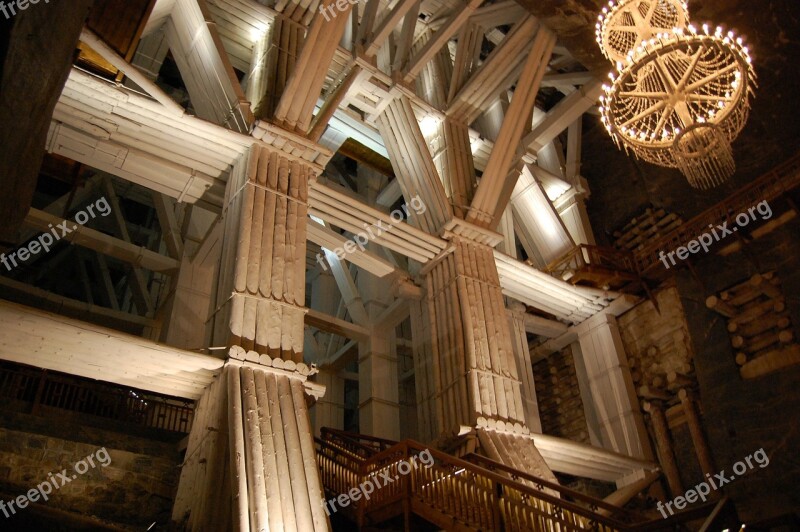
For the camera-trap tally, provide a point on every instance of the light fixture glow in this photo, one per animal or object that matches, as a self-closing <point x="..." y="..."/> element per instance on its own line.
<point x="688" y="125"/>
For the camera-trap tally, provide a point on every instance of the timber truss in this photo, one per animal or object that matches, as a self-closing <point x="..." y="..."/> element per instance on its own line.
<point x="470" y="102"/>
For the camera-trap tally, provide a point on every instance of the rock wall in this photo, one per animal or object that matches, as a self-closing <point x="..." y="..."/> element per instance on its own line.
<point x="137" y="487"/>
<point x="560" y="405"/>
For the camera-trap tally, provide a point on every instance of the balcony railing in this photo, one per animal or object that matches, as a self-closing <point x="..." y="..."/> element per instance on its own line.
<point x="771" y="185"/>
<point x="597" y="265"/>
<point x="39" y="390"/>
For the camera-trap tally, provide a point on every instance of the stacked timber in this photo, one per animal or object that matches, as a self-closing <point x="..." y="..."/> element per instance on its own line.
<point x="658" y="348"/>
<point x="651" y="224"/>
<point x="557" y="391"/>
<point x="657" y="377"/>
<point x="759" y="325"/>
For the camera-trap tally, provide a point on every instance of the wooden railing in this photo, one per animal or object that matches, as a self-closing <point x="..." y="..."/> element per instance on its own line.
<point x="357" y="444"/>
<point x="478" y="494"/>
<point x="41" y="390"/>
<point x="771" y="185"/>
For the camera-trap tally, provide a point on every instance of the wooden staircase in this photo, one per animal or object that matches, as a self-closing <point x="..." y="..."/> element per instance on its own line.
<point x="474" y="493"/>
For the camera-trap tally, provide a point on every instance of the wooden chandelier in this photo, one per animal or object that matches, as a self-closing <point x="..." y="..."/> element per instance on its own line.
<point x="680" y="96"/>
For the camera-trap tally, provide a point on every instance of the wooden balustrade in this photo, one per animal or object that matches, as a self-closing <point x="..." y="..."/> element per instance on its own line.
<point x="474" y="493"/>
<point x="598" y="266"/>
<point x="47" y="390"/>
<point x="769" y="186"/>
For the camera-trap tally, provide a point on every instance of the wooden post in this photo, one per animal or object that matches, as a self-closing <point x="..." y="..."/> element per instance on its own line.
<point x="664" y="445"/>
<point x="698" y="435"/>
<point x="718" y="305"/>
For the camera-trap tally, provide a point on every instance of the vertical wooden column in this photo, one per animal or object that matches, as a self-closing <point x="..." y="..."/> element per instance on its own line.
<point x="261" y="289"/>
<point x="265" y="475"/>
<point x="516" y="313"/>
<point x="475" y="381"/>
<point x="250" y="461"/>
<point x="429" y="423"/>
<point x="475" y="374"/>
<point x="698" y="435"/>
<point x="664" y="445"/>
<point x="611" y="388"/>
<point x="329" y="410"/>
<point x="378" y="390"/>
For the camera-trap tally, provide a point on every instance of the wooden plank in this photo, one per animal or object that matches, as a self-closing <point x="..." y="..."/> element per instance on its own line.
<point x="54" y="342"/>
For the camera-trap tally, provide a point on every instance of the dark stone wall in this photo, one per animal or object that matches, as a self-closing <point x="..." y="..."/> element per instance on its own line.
<point x="37" y="46"/>
<point x="136" y="488"/>
<point x="742" y="416"/>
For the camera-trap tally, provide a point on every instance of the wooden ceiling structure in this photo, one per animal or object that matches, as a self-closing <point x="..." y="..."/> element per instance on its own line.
<point x="475" y="105"/>
<point x="151" y="141"/>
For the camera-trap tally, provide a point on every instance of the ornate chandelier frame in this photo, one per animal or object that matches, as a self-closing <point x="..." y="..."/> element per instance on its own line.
<point x="670" y="82"/>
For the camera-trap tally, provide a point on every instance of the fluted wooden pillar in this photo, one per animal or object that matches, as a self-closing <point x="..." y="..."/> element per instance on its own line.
<point x="522" y="355"/>
<point x="264" y="475"/>
<point x="250" y="460"/>
<point x="261" y="289"/>
<point x="475" y="373"/>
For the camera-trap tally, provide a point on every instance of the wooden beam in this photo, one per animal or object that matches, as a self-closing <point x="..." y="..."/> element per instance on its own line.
<point x="562" y="115"/>
<point x="570" y="78"/>
<point x="449" y="28"/>
<point x="327" y="323"/>
<point x="206" y="70"/>
<point x="50" y="341"/>
<point x="348" y="290"/>
<point x="403" y="47"/>
<point x="331" y="104"/>
<point x="497" y="185"/>
<point x="170" y="232"/>
<point x="544" y="327"/>
<point x="103" y="243"/>
<point x="413" y="164"/>
<point x="387" y="25"/>
<point x="107" y="53"/>
<point x="495" y="75"/>
<point x="138" y="279"/>
<point x="107" y="317"/>
<point x="296" y="106"/>
<point x="346" y="354"/>
<point x="367" y="260"/>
